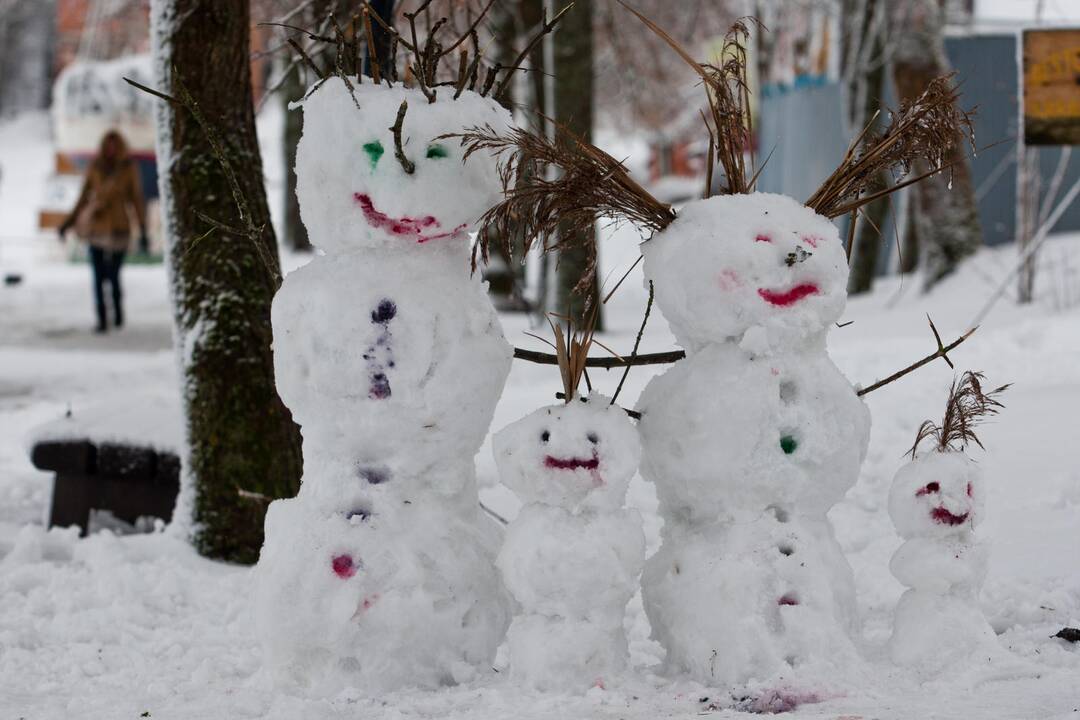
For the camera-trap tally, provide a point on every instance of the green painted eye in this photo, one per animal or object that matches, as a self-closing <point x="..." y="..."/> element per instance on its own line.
<point x="374" y="151"/>
<point x="436" y="151"/>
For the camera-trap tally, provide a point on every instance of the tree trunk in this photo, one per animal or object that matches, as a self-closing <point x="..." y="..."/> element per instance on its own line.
<point x="293" y="89"/>
<point x="866" y="84"/>
<point x="574" y="110"/>
<point x="240" y="437"/>
<point x="948" y="218"/>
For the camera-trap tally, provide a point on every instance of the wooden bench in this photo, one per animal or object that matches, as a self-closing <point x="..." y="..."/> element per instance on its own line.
<point x="128" y="481"/>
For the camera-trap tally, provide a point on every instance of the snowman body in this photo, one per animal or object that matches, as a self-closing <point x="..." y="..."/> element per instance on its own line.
<point x="750" y="441"/>
<point x="571" y="558"/>
<point x="380" y="572"/>
<point x="935" y="502"/>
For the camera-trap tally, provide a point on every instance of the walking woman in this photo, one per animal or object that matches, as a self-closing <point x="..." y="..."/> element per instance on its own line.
<point x="101" y="218"/>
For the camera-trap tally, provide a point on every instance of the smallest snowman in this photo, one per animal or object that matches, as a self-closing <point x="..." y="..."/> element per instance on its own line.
<point x="935" y="502"/>
<point x="572" y="556"/>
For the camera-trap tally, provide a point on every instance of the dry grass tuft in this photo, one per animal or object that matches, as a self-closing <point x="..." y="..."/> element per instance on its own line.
<point x="928" y="129"/>
<point x="590" y="184"/>
<point x="967" y="407"/>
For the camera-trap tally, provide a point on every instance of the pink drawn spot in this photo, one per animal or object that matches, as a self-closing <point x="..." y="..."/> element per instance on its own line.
<point x="763" y="238"/>
<point x="930" y="488"/>
<point x="811" y="240"/>
<point x="788" y="599"/>
<point x="728" y="280"/>
<point x="369" y="601"/>
<point x="944" y="517"/>
<point x="406" y="226"/>
<point x="599" y="683"/>
<point x="785" y="298"/>
<point x="343" y="566"/>
<point x="774" y="371"/>
<point x="970" y="490"/>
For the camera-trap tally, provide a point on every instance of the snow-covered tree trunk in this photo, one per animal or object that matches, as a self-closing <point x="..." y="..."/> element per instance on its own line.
<point x="27" y="38"/>
<point x="242" y="445"/>
<point x="947" y="223"/>
<point x="292" y="90"/>
<point x="574" y="95"/>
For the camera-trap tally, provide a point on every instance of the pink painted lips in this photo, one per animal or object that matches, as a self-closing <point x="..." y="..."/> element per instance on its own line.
<point x="786" y="298"/>
<point x="592" y="465"/>
<point x="943" y="516"/>
<point x="404" y="226"/>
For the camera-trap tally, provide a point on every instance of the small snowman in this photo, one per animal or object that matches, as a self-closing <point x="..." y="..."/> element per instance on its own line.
<point x="572" y="557"/>
<point x="935" y="502"/>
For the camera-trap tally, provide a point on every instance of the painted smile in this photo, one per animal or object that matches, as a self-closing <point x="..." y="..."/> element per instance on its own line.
<point x="571" y="463"/>
<point x="943" y="516"/>
<point x="786" y="298"/>
<point x="404" y="226"/>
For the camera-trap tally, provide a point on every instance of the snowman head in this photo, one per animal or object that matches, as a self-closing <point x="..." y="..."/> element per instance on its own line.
<point x="735" y="262"/>
<point x="355" y="193"/>
<point x="578" y="455"/>
<point x="937" y="495"/>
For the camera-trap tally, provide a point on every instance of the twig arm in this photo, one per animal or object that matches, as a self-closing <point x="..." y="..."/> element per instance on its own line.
<point x="941" y="352"/>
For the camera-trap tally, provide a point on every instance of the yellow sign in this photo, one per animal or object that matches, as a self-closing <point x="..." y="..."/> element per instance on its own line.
<point x="1051" y="87"/>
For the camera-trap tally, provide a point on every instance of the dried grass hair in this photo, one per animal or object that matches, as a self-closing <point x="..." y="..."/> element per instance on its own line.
<point x="572" y="346"/>
<point x="590" y="184"/>
<point x="729" y="121"/>
<point x="928" y="129"/>
<point x="967" y="407"/>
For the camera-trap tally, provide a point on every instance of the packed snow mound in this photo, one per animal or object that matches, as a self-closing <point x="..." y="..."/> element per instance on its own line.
<point x="353" y="191"/>
<point x="581" y="454"/>
<point x="334" y="586"/>
<point x="727" y="434"/>
<point x="390" y="355"/>
<point x="735" y="262"/>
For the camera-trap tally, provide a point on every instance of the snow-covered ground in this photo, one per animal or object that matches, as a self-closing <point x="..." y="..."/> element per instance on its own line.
<point x="119" y="627"/>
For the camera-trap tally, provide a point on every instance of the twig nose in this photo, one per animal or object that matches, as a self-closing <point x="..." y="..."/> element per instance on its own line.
<point x="798" y="256"/>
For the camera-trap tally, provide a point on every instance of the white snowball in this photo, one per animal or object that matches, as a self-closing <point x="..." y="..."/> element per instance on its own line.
<point x="939" y="494"/>
<point x="345" y="601"/>
<point x="751" y="601"/>
<point x="582" y="566"/>
<point x="726" y="433"/>
<point x="345" y="161"/>
<point x="722" y="268"/>
<point x="387" y="353"/>
<point x="581" y="454"/>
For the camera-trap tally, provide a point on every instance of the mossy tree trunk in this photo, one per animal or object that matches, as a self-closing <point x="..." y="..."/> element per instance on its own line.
<point x="293" y="89"/>
<point x="240" y="437"/>
<point x="574" y="96"/>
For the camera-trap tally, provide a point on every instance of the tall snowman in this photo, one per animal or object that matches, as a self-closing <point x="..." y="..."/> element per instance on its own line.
<point x="750" y="441"/>
<point x="380" y="572"/>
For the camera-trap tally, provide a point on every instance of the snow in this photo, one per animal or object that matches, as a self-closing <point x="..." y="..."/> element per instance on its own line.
<point x="107" y="627"/>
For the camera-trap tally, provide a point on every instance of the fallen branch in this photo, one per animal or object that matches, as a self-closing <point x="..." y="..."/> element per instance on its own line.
<point x="941" y="352"/>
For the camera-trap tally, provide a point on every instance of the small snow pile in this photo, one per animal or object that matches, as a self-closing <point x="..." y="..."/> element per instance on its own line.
<point x="380" y="573"/>
<point x="750" y="441"/>
<point x="573" y="555"/>
<point x="149" y="419"/>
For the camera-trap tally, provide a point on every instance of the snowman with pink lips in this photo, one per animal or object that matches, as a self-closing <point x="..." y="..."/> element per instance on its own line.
<point x="380" y="572"/>
<point x="750" y="441"/>
<point x="935" y="502"/>
<point x="573" y="554"/>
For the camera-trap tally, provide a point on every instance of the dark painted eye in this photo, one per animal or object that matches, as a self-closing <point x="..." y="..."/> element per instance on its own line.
<point x="374" y="151"/>
<point x="593" y="438"/>
<point x="545" y="436"/>
<point x="436" y="151"/>
<point x="930" y="488"/>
